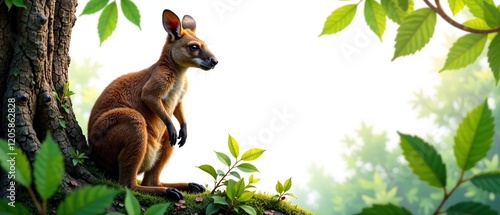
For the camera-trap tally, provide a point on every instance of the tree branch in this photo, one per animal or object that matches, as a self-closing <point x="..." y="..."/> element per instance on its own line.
<point x="439" y="10"/>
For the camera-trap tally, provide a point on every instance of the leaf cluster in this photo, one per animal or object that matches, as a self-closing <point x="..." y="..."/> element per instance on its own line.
<point x="473" y="139"/>
<point x="416" y="28"/>
<point x="283" y="188"/>
<point x="109" y="15"/>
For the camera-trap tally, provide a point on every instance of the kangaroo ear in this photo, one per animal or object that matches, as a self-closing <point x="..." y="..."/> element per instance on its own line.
<point x="172" y="24"/>
<point x="188" y="23"/>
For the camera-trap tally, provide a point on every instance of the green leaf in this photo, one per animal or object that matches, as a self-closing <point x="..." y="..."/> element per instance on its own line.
<point x="48" y="168"/>
<point x="474" y="137"/>
<point x="209" y="169"/>
<point x="375" y="17"/>
<point x="415" y="32"/>
<point x="494" y="57"/>
<point x="489" y="181"/>
<point x="252" y="154"/>
<point x="19" y="3"/>
<point x="467" y="208"/>
<point x="107" y="22"/>
<point x="465" y="51"/>
<point x="247" y="195"/>
<point x="475" y="8"/>
<point x="235" y="174"/>
<point x="240" y="187"/>
<point x="212" y="209"/>
<point x="62" y="123"/>
<point x="87" y="200"/>
<point x="9" y="4"/>
<point x="158" y="209"/>
<point x="246" y="167"/>
<point x="388" y="209"/>
<point x="456" y="5"/>
<point x="339" y="19"/>
<point x="93" y="6"/>
<point x="476" y="23"/>
<point x="279" y="187"/>
<point x="13" y="157"/>
<point x="219" y="200"/>
<point x="231" y="189"/>
<point x="131" y="12"/>
<point x="131" y="204"/>
<point x="394" y="11"/>
<point x="403" y="4"/>
<point x="233" y="146"/>
<point x="223" y="158"/>
<point x="424" y="160"/>
<point x="287" y="185"/>
<point x="249" y="209"/>
<point x="491" y="15"/>
<point x="12" y="208"/>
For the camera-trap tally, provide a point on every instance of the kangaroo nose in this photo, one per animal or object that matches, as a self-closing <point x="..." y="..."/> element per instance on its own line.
<point x="213" y="61"/>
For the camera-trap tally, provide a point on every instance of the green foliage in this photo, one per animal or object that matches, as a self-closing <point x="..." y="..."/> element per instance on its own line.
<point x="10" y="3"/>
<point x="283" y="188"/>
<point x="474" y="137"/>
<point x="489" y="181"/>
<point x="424" y="160"/>
<point x="63" y="98"/>
<point x="416" y="28"/>
<point x="87" y="200"/>
<point x="48" y="168"/>
<point x="414" y="32"/>
<point x="388" y="209"/>
<point x="9" y="155"/>
<point x="237" y="193"/>
<point x="465" y="208"/>
<point x="339" y="19"/>
<point x="109" y="16"/>
<point x="131" y="204"/>
<point x="77" y="157"/>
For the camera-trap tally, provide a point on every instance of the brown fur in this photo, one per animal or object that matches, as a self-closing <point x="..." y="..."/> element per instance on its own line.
<point x="128" y="125"/>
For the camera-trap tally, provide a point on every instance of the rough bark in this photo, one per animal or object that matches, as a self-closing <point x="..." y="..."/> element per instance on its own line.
<point x="34" y="50"/>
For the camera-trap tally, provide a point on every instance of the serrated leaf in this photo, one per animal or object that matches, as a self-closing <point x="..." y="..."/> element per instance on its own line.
<point x="424" y="160"/>
<point x="488" y="181"/>
<point x="12" y="208"/>
<point x="107" y="22"/>
<point x="339" y="19"/>
<point x="475" y="8"/>
<point x="223" y="158"/>
<point x="465" y="51"/>
<point x="252" y="154"/>
<point x="247" y="195"/>
<point x="494" y="57"/>
<point x="456" y="5"/>
<point x="474" y="137"/>
<point x="219" y="200"/>
<point x="248" y="209"/>
<point x="467" y="208"/>
<point x="158" y="209"/>
<point x="208" y="169"/>
<point x="247" y="167"/>
<point x="87" y="200"/>
<point x="375" y="17"/>
<point x="287" y="185"/>
<point x="131" y="204"/>
<point x="279" y="187"/>
<point x="48" y="168"/>
<point x="22" y="165"/>
<point x="131" y="12"/>
<point x="491" y="14"/>
<point x="476" y="23"/>
<point x="388" y="209"/>
<point x="415" y="32"/>
<point x="212" y="209"/>
<point x="93" y="6"/>
<point x="394" y="12"/>
<point x="233" y="146"/>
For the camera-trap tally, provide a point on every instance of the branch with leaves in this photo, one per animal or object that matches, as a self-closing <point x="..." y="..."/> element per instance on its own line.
<point x="473" y="139"/>
<point x="416" y="28"/>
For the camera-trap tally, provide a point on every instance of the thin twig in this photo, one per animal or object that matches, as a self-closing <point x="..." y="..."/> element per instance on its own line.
<point x="35" y="201"/>
<point x="448" y="194"/>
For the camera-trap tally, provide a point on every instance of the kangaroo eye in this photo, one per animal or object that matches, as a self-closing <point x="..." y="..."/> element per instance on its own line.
<point x="194" y="47"/>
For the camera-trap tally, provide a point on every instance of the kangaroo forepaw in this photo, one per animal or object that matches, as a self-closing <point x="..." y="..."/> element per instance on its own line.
<point x="196" y="188"/>
<point x="174" y="194"/>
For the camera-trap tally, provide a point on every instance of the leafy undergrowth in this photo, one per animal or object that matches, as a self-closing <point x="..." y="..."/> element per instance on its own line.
<point x="196" y="203"/>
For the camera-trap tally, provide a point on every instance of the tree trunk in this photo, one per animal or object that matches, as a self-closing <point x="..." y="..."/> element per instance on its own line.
<point x="34" y="61"/>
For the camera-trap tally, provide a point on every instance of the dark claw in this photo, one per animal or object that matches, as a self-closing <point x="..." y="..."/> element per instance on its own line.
<point x="182" y="135"/>
<point x="174" y="194"/>
<point x="172" y="134"/>
<point x="196" y="188"/>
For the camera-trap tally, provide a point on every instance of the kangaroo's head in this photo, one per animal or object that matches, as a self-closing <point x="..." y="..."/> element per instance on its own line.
<point x="185" y="48"/>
